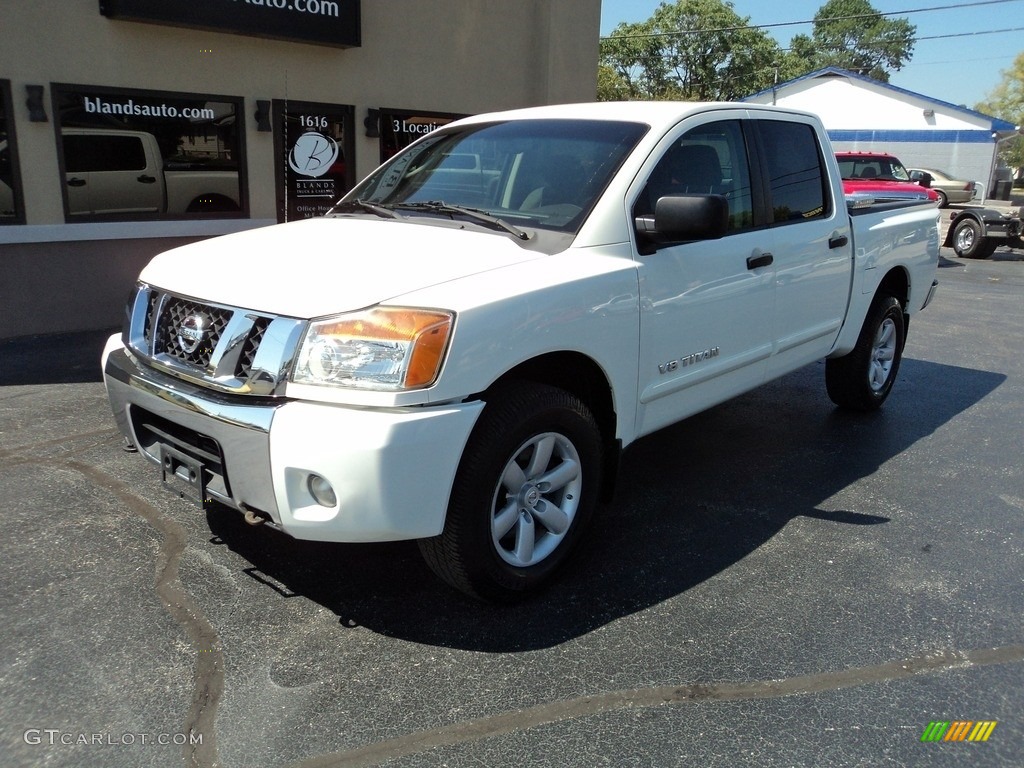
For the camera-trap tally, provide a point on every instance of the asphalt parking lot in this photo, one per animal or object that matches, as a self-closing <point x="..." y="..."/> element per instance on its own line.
<point x="775" y="584"/>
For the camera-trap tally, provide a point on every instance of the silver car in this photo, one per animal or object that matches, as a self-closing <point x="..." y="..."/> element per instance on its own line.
<point x="950" y="190"/>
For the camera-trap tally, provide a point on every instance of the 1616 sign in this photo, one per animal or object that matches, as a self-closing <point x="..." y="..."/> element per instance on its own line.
<point x="327" y="22"/>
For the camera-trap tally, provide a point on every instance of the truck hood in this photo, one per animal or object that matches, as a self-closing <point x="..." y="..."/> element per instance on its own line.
<point x="325" y="266"/>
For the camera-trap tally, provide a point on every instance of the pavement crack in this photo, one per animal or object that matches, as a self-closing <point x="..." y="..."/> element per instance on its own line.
<point x="208" y="679"/>
<point x="553" y="712"/>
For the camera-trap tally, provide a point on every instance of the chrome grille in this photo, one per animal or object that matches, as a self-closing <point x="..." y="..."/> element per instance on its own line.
<point x="251" y="346"/>
<point x="169" y="340"/>
<point x="227" y="348"/>
<point x="152" y="306"/>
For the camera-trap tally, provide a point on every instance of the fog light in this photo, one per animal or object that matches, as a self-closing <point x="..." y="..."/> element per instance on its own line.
<point x="321" y="491"/>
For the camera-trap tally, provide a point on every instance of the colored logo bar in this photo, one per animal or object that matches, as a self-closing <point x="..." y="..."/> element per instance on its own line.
<point x="959" y="730"/>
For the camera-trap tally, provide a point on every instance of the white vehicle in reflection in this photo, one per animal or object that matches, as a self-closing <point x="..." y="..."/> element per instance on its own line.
<point x="124" y="172"/>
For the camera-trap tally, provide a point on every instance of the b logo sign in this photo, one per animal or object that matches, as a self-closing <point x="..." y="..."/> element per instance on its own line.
<point x="313" y="154"/>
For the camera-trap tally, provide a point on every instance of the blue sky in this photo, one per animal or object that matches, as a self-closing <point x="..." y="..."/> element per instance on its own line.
<point x="960" y="70"/>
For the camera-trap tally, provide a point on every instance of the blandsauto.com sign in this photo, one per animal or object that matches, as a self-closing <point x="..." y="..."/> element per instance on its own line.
<point x="326" y="22"/>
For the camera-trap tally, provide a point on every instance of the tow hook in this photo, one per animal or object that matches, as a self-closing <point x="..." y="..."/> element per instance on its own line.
<point x="252" y="518"/>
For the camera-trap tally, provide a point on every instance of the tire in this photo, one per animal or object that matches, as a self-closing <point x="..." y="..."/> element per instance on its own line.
<point x="943" y="200"/>
<point x="969" y="243"/>
<point x="509" y="527"/>
<point x="862" y="379"/>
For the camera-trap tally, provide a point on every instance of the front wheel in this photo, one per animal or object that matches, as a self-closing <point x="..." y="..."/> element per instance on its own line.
<point x="862" y="379"/>
<point x="523" y="494"/>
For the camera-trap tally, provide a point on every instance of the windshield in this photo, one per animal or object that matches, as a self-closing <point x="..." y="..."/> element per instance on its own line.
<point x="874" y="168"/>
<point x="545" y="174"/>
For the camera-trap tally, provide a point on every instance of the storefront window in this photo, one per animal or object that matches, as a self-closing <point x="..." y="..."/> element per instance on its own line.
<point x="11" y="210"/>
<point x="313" y="144"/>
<point x="400" y="128"/>
<point x="128" y="155"/>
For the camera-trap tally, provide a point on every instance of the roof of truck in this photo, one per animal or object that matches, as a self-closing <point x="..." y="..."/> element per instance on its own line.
<point x="653" y="113"/>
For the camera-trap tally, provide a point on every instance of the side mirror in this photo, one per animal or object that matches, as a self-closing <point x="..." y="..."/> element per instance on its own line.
<point x="921" y="177"/>
<point x="678" y="218"/>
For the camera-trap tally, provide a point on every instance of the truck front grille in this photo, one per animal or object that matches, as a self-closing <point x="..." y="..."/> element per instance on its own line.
<point x="227" y="348"/>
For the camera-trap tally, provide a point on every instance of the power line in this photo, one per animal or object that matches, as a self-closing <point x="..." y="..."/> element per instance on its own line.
<point x="929" y="37"/>
<point x="969" y="34"/>
<point x="812" y="21"/>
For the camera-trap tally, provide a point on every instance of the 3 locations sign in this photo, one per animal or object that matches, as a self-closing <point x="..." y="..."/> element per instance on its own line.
<point x="326" y="22"/>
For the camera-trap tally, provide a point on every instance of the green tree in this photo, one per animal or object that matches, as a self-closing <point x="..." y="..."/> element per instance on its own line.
<point x="692" y="50"/>
<point x="1006" y="101"/>
<point x="852" y="35"/>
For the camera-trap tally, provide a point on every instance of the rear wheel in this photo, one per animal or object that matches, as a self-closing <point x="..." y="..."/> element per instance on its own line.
<point x="969" y="243"/>
<point x="523" y="494"/>
<point x="862" y="379"/>
<point x="943" y="200"/>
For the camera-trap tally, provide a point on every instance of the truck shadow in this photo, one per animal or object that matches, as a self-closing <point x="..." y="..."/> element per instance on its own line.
<point x="692" y="500"/>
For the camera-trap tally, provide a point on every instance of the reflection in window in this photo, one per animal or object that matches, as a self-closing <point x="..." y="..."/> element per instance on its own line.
<point x="535" y="173"/>
<point x="795" y="173"/>
<point x="314" y="147"/>
<point x="399" y="129"/>
<point x="143" y="154"/>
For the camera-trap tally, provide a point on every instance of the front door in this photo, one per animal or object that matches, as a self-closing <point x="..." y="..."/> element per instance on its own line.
<point x="706" y="307"/>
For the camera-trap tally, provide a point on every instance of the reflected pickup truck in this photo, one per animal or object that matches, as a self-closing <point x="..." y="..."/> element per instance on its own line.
<point x="114" y="171"/>
<point x="459" y="352"/>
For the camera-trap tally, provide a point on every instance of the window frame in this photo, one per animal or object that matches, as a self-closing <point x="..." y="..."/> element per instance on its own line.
<point x="761" y="152"/>
<point x="60" y="91"/>
<point x="281" y="109"/>
<point x="759" y="214"/>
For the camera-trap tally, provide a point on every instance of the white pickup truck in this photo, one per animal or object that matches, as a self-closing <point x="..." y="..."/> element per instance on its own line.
<point x="460" y="351"/>
<point x="118" y="172"/>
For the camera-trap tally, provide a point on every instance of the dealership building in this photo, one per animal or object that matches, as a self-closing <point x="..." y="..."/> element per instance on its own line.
<point x="128" y="127"/>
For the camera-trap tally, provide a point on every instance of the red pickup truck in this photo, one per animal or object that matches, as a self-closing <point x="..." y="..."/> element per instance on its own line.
<point x="882" y="176"/>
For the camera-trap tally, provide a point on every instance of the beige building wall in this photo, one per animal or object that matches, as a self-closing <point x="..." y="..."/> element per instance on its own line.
<point x="458" y="56"/>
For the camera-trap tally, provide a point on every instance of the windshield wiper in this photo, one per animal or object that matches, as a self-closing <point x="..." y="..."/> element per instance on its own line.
<point x="439" y="206"/>
<point x="365" y="205"/>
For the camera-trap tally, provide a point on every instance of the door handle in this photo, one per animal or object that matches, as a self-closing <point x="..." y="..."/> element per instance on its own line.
<point x="75" y="182"/>
<point x="837" y="241"/>
<point x="764" y="260"/>
<point x="147" y="179"/>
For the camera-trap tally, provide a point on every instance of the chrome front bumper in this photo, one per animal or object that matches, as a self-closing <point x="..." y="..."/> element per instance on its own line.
<point x="391" y="468"/>
<point x="230" y="441"/>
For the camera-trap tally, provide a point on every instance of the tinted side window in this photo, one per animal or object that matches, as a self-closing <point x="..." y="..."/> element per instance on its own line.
<point x="84" y="153"/>
<point x="711" y="159"/>
<point x="796" y="173"/>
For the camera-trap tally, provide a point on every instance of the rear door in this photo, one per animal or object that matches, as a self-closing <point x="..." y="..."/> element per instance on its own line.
<point x="809" y="240"/>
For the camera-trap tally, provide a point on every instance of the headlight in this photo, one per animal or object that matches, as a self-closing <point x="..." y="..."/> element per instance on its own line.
<point x="381" y="348"/>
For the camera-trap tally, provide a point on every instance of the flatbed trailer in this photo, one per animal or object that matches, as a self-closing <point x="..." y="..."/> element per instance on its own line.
<point x="975" y="233"/>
